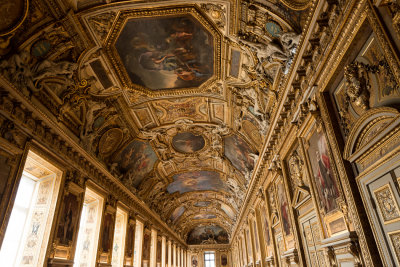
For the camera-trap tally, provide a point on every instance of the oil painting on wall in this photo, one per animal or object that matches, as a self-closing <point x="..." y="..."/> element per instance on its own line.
<point x="108" y="232"/>
<point x="284" y="208"/>
<point x="194" y="261"/>
<point x="196" y="181"/>
<point x="68" y="222"/>
<point x="265" y="226"/>
<point x="324" y="179"/>
<point x="188" y="142"/>
<point x="224" y="260"/>
<point x="239" y="153"/>
<point x="176" y="53"/>
<point x="136" y="161"/>
<point x="211" y="234"/>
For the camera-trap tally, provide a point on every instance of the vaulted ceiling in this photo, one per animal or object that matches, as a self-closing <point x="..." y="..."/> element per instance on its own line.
<point x="174" y="96"/>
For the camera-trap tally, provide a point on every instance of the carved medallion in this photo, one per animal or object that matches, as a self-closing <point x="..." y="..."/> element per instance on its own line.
<point x="12" y="14"/>
<point x="110" y="141"/>
<point x="387" y="204"/>
<point x="188" y="142"/>
<point x="273" y="28"/>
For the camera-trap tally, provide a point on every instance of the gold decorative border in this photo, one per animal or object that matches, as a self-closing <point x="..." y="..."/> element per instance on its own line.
<point x="20" y="21"/>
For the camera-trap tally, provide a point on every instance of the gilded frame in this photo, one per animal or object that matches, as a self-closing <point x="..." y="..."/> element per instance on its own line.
<point x="121" y="20"/>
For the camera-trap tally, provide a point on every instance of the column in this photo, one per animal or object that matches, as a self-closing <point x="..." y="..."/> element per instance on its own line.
<point x="182" y="264"/>
<point x="153" y="248"/>
<point x="169" y="253"/>
<point x="163" y="250"/>
<point x="174" y="255"/>
<point x="179" y="257"/>
<point x="188" y="260"/>
<point x="137" y="259"/>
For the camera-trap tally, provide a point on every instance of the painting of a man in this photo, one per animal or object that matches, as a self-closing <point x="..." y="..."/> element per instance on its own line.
<point x="323" y="174"/>
<point x="284" y="207"/>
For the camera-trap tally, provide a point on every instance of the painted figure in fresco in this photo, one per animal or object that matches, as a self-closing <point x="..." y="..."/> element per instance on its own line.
<point x="211" y="234"/>
<point x="136" y="161"/>
<point x="176" y="53"/>
<point x="326" y="183"/>
<point x="196" y="181"/>
<point x="188" y="142"/>
<point x="239" y="153"/>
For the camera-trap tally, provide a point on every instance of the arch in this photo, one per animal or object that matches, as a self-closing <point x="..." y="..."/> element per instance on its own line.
<point x="369" y="128"/>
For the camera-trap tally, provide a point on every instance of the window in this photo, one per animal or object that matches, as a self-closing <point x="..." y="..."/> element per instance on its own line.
<point x="26" y="236"/>
<point x="209" y="259"/>
<point x="119" y="238"/>
<point x="89" y="229"/>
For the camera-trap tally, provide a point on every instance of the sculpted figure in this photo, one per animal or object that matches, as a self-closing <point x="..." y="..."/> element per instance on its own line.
<point x="47" y="68"/>
<point x="18" y="70"/>
<point x="290" y="40"/>
<point x="267" y="52"/>
<point x="296" y="167"/>
<point x="357" y="86"/>
<point x="92" y="107"/>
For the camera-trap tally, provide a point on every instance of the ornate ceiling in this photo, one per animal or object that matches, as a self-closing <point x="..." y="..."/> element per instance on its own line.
<point x="172" y="97"/>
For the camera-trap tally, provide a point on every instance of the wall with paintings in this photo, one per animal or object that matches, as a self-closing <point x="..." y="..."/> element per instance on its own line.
<point x="333" y="162"/>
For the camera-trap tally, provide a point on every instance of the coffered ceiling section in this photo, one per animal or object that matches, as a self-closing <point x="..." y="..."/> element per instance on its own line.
<point x="172" y="97"/>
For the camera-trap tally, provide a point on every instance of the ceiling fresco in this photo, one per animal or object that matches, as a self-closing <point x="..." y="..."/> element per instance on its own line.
<point x="135" y="161"/>
<point x="196" y="181"/>
<point x="176" y="53"/>
<point x="239" y="153"/>
<point x="188" y="142"/>
<point x="211" y="234"/>
<point x="179" y="113"/>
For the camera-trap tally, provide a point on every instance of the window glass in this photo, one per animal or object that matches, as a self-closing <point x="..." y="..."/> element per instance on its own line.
<point x="209" y="259"/>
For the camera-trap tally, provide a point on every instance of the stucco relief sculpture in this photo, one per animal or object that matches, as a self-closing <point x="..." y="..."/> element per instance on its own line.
<point x="19" y="70"/>
<point x="281" y="51"/>
<point x="296" y="169"/>
<point x="357" y="84"/>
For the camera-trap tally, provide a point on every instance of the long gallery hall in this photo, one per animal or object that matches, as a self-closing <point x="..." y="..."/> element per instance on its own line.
<point x="199" y="133"/>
